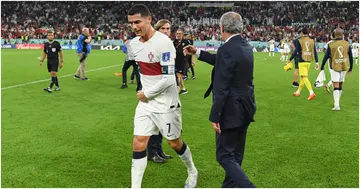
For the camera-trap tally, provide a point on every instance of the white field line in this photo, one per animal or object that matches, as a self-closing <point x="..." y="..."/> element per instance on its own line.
<point x="39" y="81"/>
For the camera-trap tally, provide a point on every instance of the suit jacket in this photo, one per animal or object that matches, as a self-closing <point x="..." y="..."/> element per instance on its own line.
<point x="232" y="79"/>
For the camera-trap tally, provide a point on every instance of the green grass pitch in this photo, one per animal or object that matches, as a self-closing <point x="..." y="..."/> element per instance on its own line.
<point x="81" y="136"/>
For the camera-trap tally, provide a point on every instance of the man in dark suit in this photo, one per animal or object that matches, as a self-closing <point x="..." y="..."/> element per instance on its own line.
<point x="234" y="105"/>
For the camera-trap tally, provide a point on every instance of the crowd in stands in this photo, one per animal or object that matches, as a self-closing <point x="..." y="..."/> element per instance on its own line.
<point x="262" y="20"/>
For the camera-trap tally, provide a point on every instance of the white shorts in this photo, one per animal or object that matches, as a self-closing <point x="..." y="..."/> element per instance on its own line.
<point x="281" y="50"/>
<point x="337" y="76"/>
<point x="271" y="49"/>
<point x="286" y="50"/>
<point x="149" y="123"/>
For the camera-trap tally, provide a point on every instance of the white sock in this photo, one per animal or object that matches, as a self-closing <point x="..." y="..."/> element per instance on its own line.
<point x="186" y="157"/>
<point x="297" y="91"/>
<point x="336" y="95"/>
<point x="311" y="92"/>
<point x="269" y="53"/>
<point x="137" y="171"/>
<point x="286" y="57"/>
<point x="356" y="60"/>
<point x="330" y="83"/>
<point x="281" y="57"/>
<point x="273" y="54"/>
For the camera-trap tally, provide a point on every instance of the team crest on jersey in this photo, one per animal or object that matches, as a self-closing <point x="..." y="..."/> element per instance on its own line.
<point x="53" y="49"/>
<point x="166" y="56"/>
<point x="150" y="56"/>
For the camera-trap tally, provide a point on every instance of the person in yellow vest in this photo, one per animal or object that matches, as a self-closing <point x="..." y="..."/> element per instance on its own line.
<point x="100" y="36"/>
<point x="305" y="46"/>
<point x="340" y="52"/>
<point x="22" y="39"/>
<point x="26" y="38"/>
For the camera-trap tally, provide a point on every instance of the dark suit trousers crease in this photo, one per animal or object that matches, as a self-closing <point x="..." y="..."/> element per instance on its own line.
<point x="230" y="147"/>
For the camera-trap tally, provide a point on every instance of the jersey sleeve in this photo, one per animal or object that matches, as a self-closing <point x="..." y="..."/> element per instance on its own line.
<point x="58" y="47"/>
<point x="166" y="54"/>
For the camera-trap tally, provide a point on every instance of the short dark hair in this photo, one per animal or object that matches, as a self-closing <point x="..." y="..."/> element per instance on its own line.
<point x="180" y="29"/>
<point x="50" y="31"/>
<point x="141" y="9"/>
<point x="305" y="31"/>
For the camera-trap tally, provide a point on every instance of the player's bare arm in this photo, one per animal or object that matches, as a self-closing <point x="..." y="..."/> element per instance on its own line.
<point x="43" y="56"/>
<point x="61" y="59"/>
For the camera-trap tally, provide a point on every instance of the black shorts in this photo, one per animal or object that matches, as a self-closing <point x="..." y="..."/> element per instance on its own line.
<point x="53" y="65"/>
<point x="181" y="67"/>
<point x="296" y="60"/>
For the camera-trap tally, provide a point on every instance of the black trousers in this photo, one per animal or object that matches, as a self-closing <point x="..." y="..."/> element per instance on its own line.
<point x="155" y="145"/>
<point x="191" y="68"/>
<point x="126" y="66"/>
<point x="230" y="147"/>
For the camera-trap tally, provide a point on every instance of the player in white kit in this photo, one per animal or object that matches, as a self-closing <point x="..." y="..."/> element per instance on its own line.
<point x="355" y="50"/>
<point x="159" y="107"/>
<point x="281" y="50"/>
<point x="286" y="49"/>
<point x="271" y="47"/>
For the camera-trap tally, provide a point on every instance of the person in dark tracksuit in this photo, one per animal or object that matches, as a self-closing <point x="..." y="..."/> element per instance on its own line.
<point x="129" y="61"/>
<point x="190" y="59"/>
<point x="234" y="105"/>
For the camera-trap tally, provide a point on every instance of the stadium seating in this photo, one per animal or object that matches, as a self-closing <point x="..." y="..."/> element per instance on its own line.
<point x="263" y="20"/>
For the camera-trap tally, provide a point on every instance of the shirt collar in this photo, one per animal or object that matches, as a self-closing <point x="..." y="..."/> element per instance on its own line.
<point x="231" y="37"/>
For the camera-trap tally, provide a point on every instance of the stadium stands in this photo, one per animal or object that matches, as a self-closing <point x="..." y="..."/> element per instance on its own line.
<point x="263" y="20"/>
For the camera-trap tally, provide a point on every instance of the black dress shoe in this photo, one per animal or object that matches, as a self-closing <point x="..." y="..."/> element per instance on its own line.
<point x="165" y="156"/>
<point x="157" y="159"/>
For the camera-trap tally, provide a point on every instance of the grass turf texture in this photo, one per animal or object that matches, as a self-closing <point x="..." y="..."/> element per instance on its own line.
<point x="81" y="136"/>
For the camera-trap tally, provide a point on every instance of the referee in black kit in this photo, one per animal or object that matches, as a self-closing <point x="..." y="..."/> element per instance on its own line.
<point x="52" y="50"/>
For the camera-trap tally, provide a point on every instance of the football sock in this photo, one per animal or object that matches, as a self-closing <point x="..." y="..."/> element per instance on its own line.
<point x="56" y="81"/>
<point x="336" y="95"/>
<point x="186" y="157"/>
<point x="138" y="167"/>
<point x="52" y="82"/>
<point x="340" y="89"/>
<point x="308" y="84"/>
<point x="301" y="85"/>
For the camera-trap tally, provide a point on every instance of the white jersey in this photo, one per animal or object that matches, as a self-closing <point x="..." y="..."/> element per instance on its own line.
<point x="355" y="49"/>
<point x="272" y="43"/>
<point x="355" y="46"/>
<point x="156" y="59"/>
<point x="286" y="46"/>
